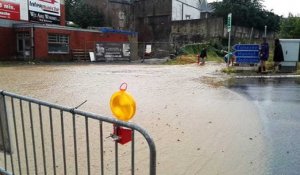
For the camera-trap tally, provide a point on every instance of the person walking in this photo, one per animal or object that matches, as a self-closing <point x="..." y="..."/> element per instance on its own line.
<point x="278" y="55"/>
<point x="203" y="56"/>
<point x="264" y="55"/>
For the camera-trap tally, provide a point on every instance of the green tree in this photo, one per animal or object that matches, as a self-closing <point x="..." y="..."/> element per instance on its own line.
<point x="247" y="13"/>
<point x="83" y="14"/>
<point x="290" y="27"/>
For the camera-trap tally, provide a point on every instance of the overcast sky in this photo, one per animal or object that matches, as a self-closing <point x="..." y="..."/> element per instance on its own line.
<point x="281" y="7"/>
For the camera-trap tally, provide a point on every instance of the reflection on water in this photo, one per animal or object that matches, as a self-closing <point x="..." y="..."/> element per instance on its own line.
<point x="278" y="101"/>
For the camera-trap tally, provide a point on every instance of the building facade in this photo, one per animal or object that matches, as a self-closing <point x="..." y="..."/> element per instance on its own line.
<point x="154" y="18"/>
<point x="151" y="18"/>
<point x="118" y="13"/>
<point x="35" y="30"/>
<point x="14" y="42"/>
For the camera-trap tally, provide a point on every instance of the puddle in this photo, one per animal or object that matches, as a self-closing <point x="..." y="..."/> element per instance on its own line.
<point x="278" y="102"/>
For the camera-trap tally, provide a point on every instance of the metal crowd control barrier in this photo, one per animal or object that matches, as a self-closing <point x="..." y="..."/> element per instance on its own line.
<point x="38" y="137"/>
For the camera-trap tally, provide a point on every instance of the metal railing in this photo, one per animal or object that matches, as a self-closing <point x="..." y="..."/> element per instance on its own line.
<point x="38" y="137"/>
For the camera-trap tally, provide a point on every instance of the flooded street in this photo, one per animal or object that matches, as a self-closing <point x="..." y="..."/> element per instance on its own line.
<point x="278" y="101"/>
<point x="198" y="126"/>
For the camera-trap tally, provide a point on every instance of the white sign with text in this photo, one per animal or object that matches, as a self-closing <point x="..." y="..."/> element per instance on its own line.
<point x="51" y="7"/>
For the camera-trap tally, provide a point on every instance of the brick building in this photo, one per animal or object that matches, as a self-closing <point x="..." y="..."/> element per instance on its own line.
<point x="151" y="18"/>
<point x="118" y="13"/>
<point x="35" y="30"/>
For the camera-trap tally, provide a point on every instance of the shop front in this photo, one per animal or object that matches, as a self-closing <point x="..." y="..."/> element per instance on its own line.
<point x="38" y="42"/>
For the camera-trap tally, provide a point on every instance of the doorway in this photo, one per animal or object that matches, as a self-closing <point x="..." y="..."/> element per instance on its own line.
<point x="24" y="46"/>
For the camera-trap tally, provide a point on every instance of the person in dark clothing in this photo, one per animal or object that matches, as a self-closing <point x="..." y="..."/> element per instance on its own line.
<point x="264" y="55"/>
<point x="278" y="54"/>
<point x="203" y="56"/>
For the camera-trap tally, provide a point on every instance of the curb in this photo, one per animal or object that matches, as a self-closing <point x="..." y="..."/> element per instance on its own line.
<point x="269" y="76"/>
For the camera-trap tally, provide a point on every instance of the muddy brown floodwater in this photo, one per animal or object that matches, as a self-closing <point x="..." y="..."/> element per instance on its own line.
<point x="198" y="127"/>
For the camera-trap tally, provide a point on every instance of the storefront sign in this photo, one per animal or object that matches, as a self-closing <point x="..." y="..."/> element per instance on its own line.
<point x="43" y="18"/>
<point x="112" y="51"/>
<point x="14" y="10"/>
<point x="44" y="11"/>
<point x="9" y="10"/>
<point x="51" y="7"/>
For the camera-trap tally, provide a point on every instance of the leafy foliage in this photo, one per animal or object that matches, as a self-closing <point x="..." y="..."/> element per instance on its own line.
<point x="247" y="13"/>
<point x="83" y="14"/>
<point x="188" y="53"/>
<point x="290" y="27"/>
<point x="193" y="48"/>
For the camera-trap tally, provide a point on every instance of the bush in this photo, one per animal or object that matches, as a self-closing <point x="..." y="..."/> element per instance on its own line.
<point x="194" y="48"/>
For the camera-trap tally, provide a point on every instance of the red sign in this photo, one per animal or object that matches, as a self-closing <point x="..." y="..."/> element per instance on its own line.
<point x="49" y="1"/>
<point x="124" y="134"/>
<point x="9" y="10"/>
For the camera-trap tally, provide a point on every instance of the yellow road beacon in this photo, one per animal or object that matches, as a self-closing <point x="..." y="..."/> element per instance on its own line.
<point x="122" y="104"/>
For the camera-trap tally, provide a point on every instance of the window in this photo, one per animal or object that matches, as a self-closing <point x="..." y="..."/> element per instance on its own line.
<point x="58" y="44"/>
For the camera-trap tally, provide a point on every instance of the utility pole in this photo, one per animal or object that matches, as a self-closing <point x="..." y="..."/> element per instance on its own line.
<point x="251" y="33"/>
<point x="133" y="14"/>
<point x="229" y="21"/>
<point x="266" y="31"/>
<point x="182" y="11"/>
<point x="107" y="12"/>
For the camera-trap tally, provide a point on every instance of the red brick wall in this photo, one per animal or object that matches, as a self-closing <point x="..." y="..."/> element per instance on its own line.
<point x="78" y="40"/>
<point x="62" y="15"/>
<point x="8" y="45"/>
<point x="41" y="45"/>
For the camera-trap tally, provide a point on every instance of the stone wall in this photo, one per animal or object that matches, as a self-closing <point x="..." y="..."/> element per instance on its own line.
<point x="152" y="19"/>
<point x="203" y="30"/>
<point x="239" y="32"/>
<point x="191" y="31"/>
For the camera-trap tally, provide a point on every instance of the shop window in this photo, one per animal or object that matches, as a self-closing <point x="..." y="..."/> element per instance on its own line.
<point x="58" y="44"/>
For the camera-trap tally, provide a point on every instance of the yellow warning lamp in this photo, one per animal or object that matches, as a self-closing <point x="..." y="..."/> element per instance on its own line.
<point x="122" y="104"/>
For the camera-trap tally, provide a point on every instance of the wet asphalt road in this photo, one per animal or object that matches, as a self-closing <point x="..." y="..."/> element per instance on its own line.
<point x="278" y="101"/>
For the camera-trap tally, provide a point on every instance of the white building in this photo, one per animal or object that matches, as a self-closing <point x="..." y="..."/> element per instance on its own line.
<point x="189" y="9"/>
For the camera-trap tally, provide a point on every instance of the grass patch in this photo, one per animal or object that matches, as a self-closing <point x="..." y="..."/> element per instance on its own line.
<point x="229" y="70"/>
<point x="213" y="56"/>
<point x="188" y="54"/>
<point x="194" y="49"/>
<point x="192" y="58"/>
<point x="269" y="65"/>
<point x="183" y="59"/>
